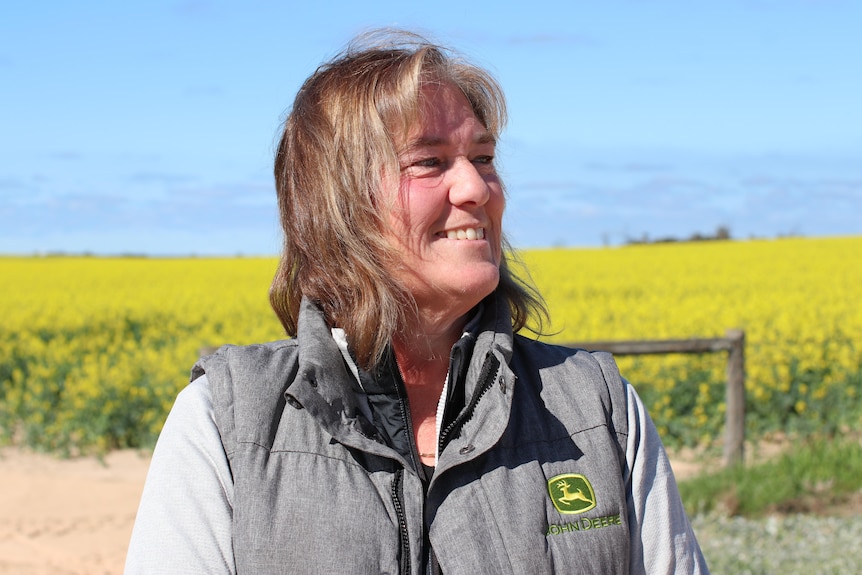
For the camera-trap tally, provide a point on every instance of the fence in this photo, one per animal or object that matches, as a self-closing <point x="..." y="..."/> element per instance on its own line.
<point x="733" y="343"/>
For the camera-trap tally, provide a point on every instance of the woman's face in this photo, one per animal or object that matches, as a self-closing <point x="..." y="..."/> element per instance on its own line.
<point x="446" y="218"/>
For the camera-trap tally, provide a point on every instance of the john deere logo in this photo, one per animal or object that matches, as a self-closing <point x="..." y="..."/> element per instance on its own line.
<point x="571" y="493"/>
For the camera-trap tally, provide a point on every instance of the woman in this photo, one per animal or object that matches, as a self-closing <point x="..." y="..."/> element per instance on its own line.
<point x="405" y="428"/>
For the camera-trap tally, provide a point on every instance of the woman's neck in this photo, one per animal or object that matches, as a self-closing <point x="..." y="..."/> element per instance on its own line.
<point x="423" y="349"/>
<point x="423" y="361"/>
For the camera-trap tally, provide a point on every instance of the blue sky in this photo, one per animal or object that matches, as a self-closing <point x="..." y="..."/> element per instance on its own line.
<point x="149" y="127"/>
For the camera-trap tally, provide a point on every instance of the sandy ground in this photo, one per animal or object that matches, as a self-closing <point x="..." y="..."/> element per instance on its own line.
<point x="67" y="517"/>
<point x="75" y="516"/>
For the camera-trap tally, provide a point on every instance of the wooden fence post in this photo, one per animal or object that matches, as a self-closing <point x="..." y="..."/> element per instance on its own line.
<point x="733" y="343"/>
<point x="734" y="439"/>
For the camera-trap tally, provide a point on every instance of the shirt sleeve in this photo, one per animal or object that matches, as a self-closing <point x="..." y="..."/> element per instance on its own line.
<point x="183" y="524"/>
<point x="662" y="540"/>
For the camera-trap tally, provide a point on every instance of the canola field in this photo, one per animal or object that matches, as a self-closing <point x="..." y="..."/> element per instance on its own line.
<point x="94" y="350"/>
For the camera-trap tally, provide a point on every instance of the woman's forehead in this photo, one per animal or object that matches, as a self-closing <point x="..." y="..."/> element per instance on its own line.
<point x="443" y="111"/>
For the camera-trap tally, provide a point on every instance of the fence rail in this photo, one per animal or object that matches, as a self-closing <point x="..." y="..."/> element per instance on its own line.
<point x="733" y="343"/>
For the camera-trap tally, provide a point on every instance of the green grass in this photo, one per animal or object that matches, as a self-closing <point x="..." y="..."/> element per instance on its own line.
<point x="812" y="476"/>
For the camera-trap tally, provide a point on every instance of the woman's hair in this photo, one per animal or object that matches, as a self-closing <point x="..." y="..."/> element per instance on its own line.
<point x="338" y="144"/>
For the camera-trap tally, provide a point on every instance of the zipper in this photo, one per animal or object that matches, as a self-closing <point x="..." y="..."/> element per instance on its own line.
<point x="404" y="407"/>
<point x="404" y="539"/>
<point x="433" y="565"/>
<point x="398" y="481"/>
<point x="487" y="377"/>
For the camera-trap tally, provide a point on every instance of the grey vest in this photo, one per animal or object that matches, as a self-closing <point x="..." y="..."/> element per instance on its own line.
<point x="531" y="478"/>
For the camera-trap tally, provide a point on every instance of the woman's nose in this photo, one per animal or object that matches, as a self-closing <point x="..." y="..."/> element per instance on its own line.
<point x="467" y="184"/>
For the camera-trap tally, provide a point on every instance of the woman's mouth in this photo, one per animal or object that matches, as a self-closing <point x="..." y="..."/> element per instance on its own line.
<point x="463" y="234"/>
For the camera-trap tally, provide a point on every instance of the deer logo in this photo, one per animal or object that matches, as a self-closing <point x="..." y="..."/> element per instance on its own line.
<point x="571" y="493"/>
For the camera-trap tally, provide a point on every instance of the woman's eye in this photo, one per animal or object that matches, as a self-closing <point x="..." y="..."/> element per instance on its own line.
<point x="485" y="164"/>
<point x="427" y="163"/>
<point x="424" y="166"/>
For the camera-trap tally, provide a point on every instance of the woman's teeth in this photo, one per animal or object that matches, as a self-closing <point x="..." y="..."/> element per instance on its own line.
<point x="466" y="234"/>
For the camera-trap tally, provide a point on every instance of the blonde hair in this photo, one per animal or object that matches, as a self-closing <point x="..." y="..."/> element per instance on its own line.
<point x="338" y="142"/>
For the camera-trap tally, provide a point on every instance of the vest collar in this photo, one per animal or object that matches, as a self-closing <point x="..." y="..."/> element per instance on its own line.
<point x="327" y="388"/>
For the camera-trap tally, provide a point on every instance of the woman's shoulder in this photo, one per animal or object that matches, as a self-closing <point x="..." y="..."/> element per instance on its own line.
<point x="245" y="385"/>
<point x="230" y="350"/>
<point x="570" y="374"/>
<point x="550" y="354"/>
<point x="243" y="361"/>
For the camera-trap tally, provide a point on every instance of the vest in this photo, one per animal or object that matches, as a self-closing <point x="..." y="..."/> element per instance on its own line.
<point x="531" y="477"/>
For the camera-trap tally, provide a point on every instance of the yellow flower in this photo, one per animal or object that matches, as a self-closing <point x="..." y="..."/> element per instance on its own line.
<point x="95" y="348"/>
